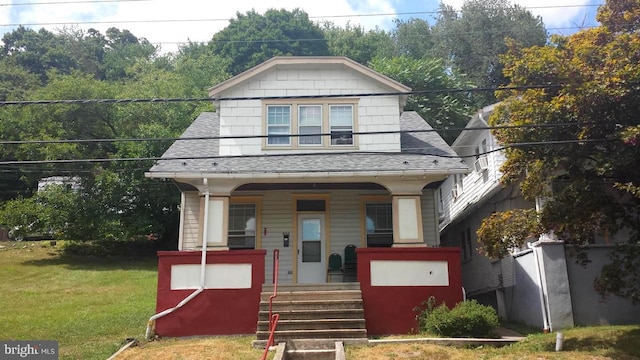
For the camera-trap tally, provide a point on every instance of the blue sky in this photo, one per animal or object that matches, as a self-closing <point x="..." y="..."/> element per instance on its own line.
<point x="145" y="18"/>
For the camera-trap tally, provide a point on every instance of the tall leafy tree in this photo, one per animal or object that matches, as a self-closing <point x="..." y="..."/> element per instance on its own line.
<point x="413" y="38"/>
<point x="589" y="169"/>
<point x="356" y="43"/>
<point x="473" y="39"/>
<point x="252" y="38"/>
<point x="443" y="110"/>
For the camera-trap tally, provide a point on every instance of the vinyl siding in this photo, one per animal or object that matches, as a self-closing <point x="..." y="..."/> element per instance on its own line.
<point x="191" y="219"/>
<point x="245" y="117"/>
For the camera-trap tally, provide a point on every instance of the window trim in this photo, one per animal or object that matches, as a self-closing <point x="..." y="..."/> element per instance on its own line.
<point x="325" y="143"/>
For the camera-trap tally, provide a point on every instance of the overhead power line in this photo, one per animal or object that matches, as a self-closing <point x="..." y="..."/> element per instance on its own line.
<point x="68" y="2"/>
<point x="240" y="98"/>
<point x="236" y="137"/>
<point x="396" y="14"/>
<point x="156" y="158"/>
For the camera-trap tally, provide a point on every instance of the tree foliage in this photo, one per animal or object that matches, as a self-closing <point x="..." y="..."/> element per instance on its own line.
<point x="441" y="110"/>
<point x="252" y="38"/>
<point x="473" y="39"/>
<point x="357" y="43"/>
<point x="589" y="168"/>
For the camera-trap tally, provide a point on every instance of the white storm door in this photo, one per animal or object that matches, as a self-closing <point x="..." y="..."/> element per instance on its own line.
<point x="311" y="249"/>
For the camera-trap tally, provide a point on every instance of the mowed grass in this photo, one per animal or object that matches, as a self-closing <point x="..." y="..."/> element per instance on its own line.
<point x="89" y="305"/>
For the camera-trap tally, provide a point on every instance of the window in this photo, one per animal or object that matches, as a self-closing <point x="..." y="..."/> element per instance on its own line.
<point x="242" y="226"/>
<point x="300" y="124"/>
<point x="309" y="122"/>
<point x="457" y="186"/>
<point x="278" y="124"/>
<point x="379" y="224"/>
<point x="341" y="124"/>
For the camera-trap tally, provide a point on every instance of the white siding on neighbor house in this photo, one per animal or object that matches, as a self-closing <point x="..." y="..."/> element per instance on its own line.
<point x="189" y="238"/>
<point x="244" y="117"/>
<point x="476" y="185"/>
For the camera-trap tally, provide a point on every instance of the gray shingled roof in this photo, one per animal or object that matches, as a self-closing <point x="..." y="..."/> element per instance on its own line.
<point x="424" y="151"/>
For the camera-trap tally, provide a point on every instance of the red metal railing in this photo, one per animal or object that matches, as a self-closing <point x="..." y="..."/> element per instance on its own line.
<point x="273" y="318"/>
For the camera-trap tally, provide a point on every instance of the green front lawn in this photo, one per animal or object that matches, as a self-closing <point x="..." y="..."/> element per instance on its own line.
<point x="90" y="305"/>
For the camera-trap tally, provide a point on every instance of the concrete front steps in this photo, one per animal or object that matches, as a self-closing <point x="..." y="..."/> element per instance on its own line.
<point x="319" y="311"/>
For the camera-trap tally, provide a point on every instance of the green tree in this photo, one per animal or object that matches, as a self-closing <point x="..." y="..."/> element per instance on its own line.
<point x="413" y="38"/>
<point x="472" y="40"/>
<point x="591" y="180"/>
<point x="442" y="111"/>
<point x="252" y="38"/>
<point x="356" y="43"/>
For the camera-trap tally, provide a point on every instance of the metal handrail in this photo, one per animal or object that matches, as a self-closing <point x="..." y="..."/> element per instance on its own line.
<point x="273" y="318"/>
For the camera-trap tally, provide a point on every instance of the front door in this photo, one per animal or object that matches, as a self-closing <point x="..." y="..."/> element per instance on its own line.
<point x="311" y="249"/>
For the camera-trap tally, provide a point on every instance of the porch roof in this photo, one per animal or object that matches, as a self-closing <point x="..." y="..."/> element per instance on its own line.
<point x="421" y="153"/>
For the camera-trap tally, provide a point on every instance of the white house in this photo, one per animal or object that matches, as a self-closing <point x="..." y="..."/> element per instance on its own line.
<point x="303" y="156"/>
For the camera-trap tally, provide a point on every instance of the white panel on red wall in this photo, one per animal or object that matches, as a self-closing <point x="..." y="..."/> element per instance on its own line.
<point x="409" y="273"/>
<point x="217" y="276"/>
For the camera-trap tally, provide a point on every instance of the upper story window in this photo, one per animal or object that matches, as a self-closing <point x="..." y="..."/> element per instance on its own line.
<point x="310" y="122"/>
<point x="279" y="125"/>
<point x="307" y="119"/>
<point x="341" y="123"/>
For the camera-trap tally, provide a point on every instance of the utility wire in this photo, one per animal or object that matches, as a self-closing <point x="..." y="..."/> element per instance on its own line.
<point x="284" y="97"/>
<point x="69" y="2"/>
<point x="235" y="137"/>
<point x="396" y="14"/>
<point x="155" y="158"/>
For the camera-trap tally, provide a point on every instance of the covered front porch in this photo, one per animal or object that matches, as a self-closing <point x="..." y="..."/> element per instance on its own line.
<point x="391" y="220"/>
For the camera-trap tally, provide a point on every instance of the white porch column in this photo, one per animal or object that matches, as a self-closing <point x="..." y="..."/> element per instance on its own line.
<point x="215" y="226"/>
<point x="407" y="212"/>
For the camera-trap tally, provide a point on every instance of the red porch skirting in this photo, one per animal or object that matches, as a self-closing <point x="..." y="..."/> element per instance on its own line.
<point x="397" y="288"/>
<point x="219" y="311"/>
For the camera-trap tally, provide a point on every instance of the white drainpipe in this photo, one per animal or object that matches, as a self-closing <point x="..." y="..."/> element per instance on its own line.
<point x="543" y="307"/>
<point x="151" y="324"/>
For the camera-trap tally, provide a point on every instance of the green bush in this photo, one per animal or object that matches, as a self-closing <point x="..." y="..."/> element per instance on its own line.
<point x="466" y="319"/>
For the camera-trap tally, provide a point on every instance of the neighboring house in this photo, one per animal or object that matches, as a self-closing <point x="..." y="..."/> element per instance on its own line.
<point x="541" y="284"/>
<point x="299" y="157"/>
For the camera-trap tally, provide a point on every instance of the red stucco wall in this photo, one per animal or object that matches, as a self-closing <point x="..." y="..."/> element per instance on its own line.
<point x="390" y="309"/>
<point x="214" y="311"/>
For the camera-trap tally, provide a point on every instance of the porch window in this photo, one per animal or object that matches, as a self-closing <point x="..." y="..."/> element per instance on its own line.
<point x="279" y="125"/>
<point x="379" y="224"/>
<point x="341" y="124"/>
<point x="242" y="226"/>
<point x="310" y="122"/>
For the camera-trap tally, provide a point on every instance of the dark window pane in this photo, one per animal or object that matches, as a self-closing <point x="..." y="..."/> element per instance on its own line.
<point x="310" y="205"/>
<point x="311" y="251"/>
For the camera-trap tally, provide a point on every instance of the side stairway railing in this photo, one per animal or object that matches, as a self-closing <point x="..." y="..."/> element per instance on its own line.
<point x="273" y="318"/>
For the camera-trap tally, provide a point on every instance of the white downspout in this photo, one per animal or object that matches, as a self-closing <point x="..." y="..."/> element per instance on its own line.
<point x="543" y="307"/>
<point x="151" y="324"/>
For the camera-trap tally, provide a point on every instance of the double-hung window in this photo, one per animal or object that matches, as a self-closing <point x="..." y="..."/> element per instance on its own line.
<point x="341" y="124"/>
<point x="279" y="125"/>
<point x="379" y="224"/>
<point x="310" y="125"/>
<point x="242" y="226"/>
